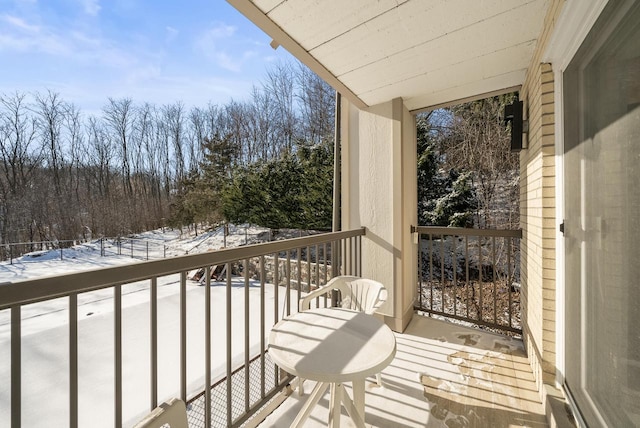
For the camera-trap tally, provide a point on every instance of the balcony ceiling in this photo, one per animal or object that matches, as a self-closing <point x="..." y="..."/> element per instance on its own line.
<point x="429" y="52"/>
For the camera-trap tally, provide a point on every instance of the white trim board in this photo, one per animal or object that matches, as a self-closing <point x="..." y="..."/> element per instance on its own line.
<point x="574" y="23"/>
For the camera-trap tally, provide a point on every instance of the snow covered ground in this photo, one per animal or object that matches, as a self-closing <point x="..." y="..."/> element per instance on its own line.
<point x="45" y="343"/>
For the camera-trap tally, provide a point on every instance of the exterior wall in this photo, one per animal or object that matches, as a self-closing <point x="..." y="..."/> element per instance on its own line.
<point x="379" y="188"/>
<point x="537" y="211"/>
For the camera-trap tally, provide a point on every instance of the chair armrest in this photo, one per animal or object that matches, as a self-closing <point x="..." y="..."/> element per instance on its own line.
<point x="382" y="297"/>
<point x="305" y="303"/>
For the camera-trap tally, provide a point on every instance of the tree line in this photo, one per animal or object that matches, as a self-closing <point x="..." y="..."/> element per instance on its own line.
<point x="138" y="166"/>
<point x="467" y="174"/>
<point x="266" y="160"/>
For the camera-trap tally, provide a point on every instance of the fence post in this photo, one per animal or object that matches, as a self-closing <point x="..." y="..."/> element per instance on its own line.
<point x="132" y="248"/>
<point x="102" y="246"/>
<point x="164" y="248"/>
<point x="10" y="254"/>
<point x="147" y="250"/>
<point x="61" y="252"/>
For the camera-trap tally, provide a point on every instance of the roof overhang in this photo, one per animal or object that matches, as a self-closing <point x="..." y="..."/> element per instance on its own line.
<point x="429" y="53"/>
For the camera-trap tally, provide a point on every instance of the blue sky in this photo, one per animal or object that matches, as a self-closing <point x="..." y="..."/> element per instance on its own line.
<point x="161" y="51"/>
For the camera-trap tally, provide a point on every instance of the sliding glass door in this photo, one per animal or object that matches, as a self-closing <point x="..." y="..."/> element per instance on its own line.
<point x="602" y="219"/>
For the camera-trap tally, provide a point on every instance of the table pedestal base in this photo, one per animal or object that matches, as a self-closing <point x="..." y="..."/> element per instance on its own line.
<point x="339" y="397"/>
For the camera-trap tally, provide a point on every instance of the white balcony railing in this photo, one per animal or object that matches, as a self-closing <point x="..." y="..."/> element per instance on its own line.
<point x="225" y="334"/>
<point x="471" y="275"/>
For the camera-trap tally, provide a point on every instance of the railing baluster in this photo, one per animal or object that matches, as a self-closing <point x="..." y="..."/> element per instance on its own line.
<point x="263" y="344"/>
<point x="73" y="360"/>
<point x="228" y="334"/>
<point x="153" y="314"/>
<point x="356" y="267"/>
<point x="359" y="255"/>
<point x="288" y="296"/>
<point x="480" y="304"/>
<point x="276" y="286"/>
<point x="466" y="263"/>
<point x="348" y="261"/>
<point x="420" y="274"/>
<point x="317" y="265"/>
<point x="276" y="302"/>
<point x="299" y="266"/>
<point x="207" y="347"/>
<point x="431" y="271"/>
<point x="493" y="276"/>
<point x="454" y="255"/>
<point x="16" y="366"/>
<point x="343" y="263"/>
<point x="442" y="281"/>
<point x="509" y="280"/>
<point x="183" y="335"/>
<point x="334" y="258"/>
<point x="118" y="354"/>
<point x="247" y="330"/>
<point x="324" y="256"/>
<point x="308" y="269"/>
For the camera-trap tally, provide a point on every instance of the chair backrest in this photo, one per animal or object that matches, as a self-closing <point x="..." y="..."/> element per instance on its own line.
<point x="172" y="413"/>
<point x="359" y="294"/>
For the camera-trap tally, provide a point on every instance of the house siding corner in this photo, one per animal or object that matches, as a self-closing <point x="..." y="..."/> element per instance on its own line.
<point x="538" y="211"/>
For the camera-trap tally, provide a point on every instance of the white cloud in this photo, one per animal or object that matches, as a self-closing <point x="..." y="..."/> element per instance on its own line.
<point x="220" y="30"/>
<point x="91" y="7"/>
<point x="143" y="74"/>
<point x="225" y="61"/>
<point x="209" y="44"/>
<point x="43" y="43"/>
<point x="208" y="39"/>
<point x="20" y="24"/>
<point x="171" y="33"/>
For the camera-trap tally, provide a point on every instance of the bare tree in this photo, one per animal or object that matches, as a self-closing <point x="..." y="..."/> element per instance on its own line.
<point x="20" y="158"/>
<point x="478" y="141"/>
<point x="119" y="116"/>
<point x="173" y="116"/>
<point x="317" y="105"/>
<point x="279" y="84"/>
<point x="50" y="110"/>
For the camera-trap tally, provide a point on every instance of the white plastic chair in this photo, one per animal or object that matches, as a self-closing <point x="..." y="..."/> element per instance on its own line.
<point x="358" y="294"/>
<point x="172" y="413"/>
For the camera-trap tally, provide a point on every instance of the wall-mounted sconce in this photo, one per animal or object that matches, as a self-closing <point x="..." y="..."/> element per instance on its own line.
<point x="513" y="114"/>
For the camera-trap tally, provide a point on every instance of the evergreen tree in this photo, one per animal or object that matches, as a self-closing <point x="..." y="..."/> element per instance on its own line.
<point x="317" y="190"/>
<point x="293" y="191"/>
<point x="445" y="198"/>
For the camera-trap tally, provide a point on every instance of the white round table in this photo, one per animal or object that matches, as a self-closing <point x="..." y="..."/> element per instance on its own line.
<point x="332" y="346"/>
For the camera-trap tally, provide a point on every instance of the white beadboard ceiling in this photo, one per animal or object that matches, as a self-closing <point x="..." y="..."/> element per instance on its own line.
<point x="429" y="52"/>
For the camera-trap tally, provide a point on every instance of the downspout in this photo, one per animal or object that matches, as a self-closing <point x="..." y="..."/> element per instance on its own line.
<point x="337" y="183"/>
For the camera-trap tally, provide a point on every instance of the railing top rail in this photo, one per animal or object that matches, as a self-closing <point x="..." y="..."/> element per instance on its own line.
<point x="50" y="287"/>
<point x="462" y="231"/>
<point x="56" y="241"/>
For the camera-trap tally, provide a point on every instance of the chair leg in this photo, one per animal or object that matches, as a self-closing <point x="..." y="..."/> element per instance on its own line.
<point x="300" y="386"/>
<point x="379" y="379"/>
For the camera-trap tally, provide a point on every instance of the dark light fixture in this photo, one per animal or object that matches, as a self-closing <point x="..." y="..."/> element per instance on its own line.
<point x="513" y="115"/>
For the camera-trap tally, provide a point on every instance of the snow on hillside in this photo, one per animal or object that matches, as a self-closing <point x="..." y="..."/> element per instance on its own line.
<point x="170" y="242"/>
<point x="45" y="360"/>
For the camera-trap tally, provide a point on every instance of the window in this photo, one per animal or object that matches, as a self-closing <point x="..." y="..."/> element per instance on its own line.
<point x="602" y="224"/>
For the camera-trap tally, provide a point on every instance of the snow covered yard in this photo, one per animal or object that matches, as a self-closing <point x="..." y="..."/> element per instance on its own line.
<point x="45" y="342"/>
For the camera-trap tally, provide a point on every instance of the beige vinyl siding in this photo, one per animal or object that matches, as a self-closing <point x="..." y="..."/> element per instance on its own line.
<point x="538" y="207"/>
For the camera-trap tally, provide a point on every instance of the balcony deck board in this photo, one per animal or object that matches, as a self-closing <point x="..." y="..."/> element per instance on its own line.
<point x="443" y="375"/>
